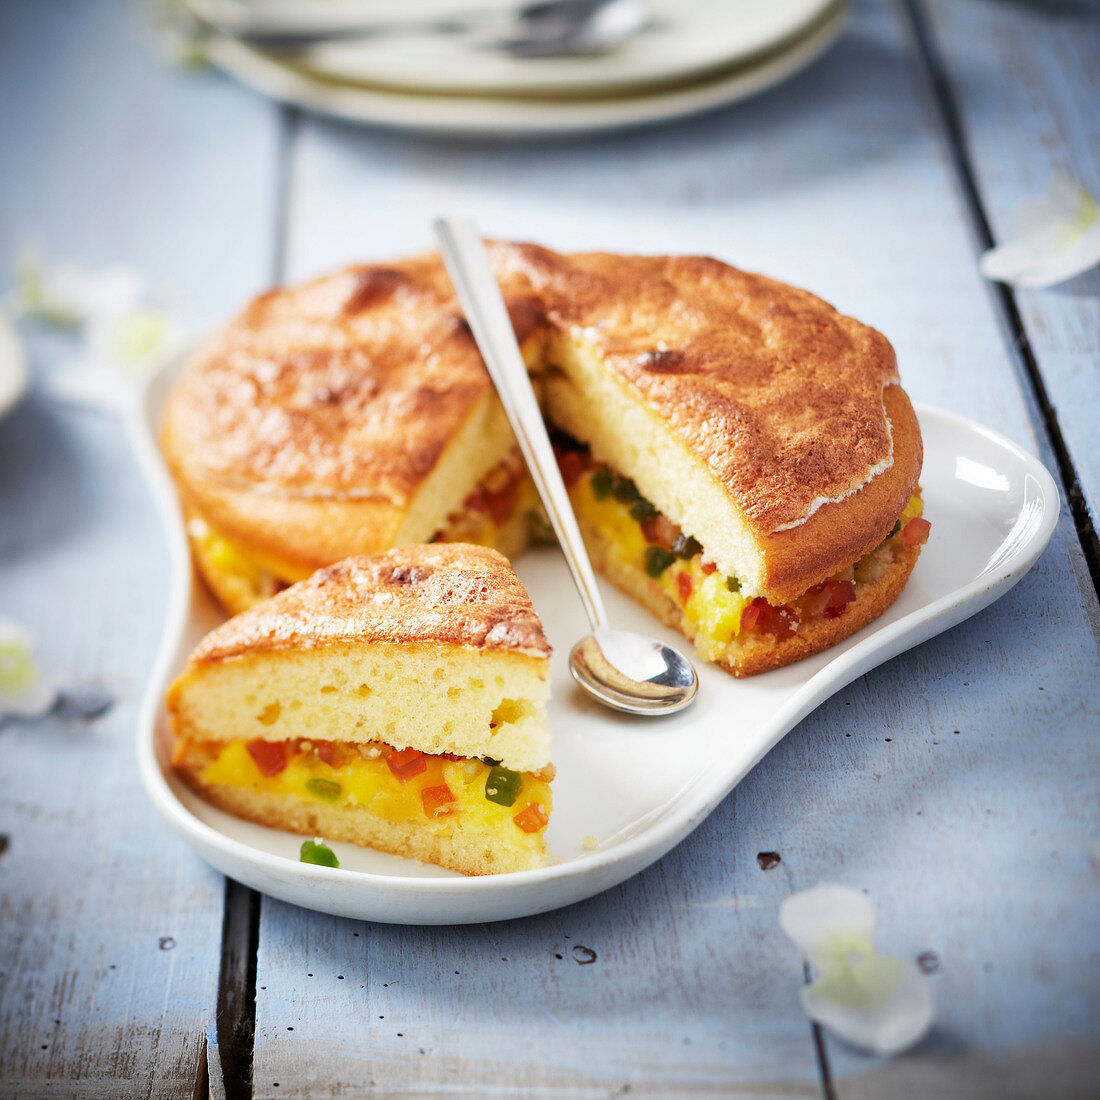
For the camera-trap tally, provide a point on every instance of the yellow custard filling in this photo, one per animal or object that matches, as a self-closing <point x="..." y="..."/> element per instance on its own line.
<point x="441" y="793"/>
<point x="707" y="602"/>
<point x="712" y="603"/>
<point x="250" y="575"/>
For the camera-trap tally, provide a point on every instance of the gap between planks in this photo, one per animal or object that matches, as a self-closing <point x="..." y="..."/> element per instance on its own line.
<point x="236" y="1009"/>
<point x="1022" y="354"/>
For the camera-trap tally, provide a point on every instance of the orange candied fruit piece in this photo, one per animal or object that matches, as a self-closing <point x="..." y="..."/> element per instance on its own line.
<point x="915" y="532"/>
<point x="532" y="818"/>
<point x="683" y="586"/>
<point x="438" y="801"/>
<point x="268" y="756"/>
<point x="406" y="763"/>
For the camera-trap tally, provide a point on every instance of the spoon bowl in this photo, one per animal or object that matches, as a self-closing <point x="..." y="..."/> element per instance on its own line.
<point x="633" y="673"/>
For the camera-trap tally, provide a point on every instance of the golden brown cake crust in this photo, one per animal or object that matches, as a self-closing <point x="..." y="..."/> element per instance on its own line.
<point x="837" y="534"/>
<point x="347" y="388"/>
<point x="348" y="385"/>
<point x="779" y="394"/>
<point x="444" y="593"/>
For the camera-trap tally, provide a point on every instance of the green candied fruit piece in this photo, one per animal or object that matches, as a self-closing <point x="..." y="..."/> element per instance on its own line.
<point x="625" y="491"/>
<point x="684" y="547"/>
<point x="603" y="481"/>
<point x="896" y="528"/>
<point x="657" y="560"/>
<point x="502" y="786"/>
<point x="733" y="584"/>
<point x="538" y="526"/>
<point x="642" y="509"/>
<point x="326" y="789"/>
<point x="318" y="852"/>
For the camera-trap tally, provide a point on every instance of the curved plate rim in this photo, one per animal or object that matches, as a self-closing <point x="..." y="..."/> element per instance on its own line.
<point x="499" y="116"/>
<point x="679" y="48"/>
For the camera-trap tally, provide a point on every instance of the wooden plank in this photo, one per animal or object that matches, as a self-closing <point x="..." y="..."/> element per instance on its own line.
<point x="1026" y="80"/>
<point x="636" y="990"/>
<point x="837" y="182"/>
<point x="110" y="928"/>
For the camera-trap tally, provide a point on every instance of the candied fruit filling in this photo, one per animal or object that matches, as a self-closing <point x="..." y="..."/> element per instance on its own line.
<point x="398" y="785"/>
<point x="502" y="493"/>
<point x="712" y="603"/>
<point x="505" y="491"/>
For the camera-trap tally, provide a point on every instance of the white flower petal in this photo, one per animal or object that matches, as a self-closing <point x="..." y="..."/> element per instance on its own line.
<point x="24" y="691"/>
<point x="13" y="365"/>
<point x="119" y="350"/>
<point x="133" y="341"/>
<point x="873" y="1001"/>
<point x="92" y="294"/>
<point x="811" y="916"/>
<point x="93" y="385"/>
<point x="886" y="1027"/>
<point x="1054" y="238"/>
<point x="68" y="294"/>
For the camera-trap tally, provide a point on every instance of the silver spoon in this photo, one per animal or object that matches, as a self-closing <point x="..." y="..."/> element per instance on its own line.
<point x="543" y="28"/>
<point x="629" y="672"/>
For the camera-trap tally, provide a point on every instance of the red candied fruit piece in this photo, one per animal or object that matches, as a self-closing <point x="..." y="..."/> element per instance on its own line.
<point x="762" y="617"/>
<point x="683" y="586"/>
<point x="915" y="532"/>
<point x="571" y="464"/>
<point x="438" y="801"/>
<point x="269" y="756"/>
<point x="532" y="818"/>
<point x="499" y="504"/>
<point x="841" y="593"/>
<point x="709" y="567"/>
<point x="659" y="529"/>
<point x="332" y="755"/>
<point x="406" y="763"/>
<point x="751" y="616"/>
<point x="485" y="503"/>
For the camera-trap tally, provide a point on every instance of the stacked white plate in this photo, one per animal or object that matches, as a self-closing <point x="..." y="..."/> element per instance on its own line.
<point x="693" y="55"/>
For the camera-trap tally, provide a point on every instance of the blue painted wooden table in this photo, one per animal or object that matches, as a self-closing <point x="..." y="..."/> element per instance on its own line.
<point x="957" y="785"/>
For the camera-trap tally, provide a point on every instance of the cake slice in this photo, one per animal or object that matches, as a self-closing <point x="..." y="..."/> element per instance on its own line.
<point x="744" y="460"/>
<point x="396" y="701"/>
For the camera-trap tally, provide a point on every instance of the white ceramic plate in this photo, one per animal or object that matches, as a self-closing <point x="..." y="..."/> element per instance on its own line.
<point x="638" y="786"/>
<point x="685" y="42"/>
<point x="499" y="116"/>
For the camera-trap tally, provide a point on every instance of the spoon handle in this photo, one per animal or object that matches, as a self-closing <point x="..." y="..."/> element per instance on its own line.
<point x="467" y="264"/>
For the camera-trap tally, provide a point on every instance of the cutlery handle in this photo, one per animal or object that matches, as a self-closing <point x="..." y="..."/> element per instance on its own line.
<point x="467" y="263"/>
